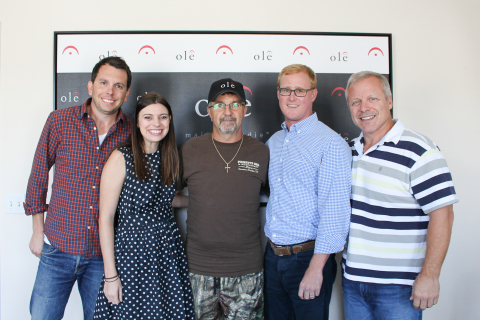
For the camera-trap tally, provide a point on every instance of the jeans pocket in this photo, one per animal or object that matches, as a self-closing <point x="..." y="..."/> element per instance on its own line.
<point x="304" y="258"/>
<point x="48" y="249"/>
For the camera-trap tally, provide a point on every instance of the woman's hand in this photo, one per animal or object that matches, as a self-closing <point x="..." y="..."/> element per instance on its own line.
<point x="113" y="291"/>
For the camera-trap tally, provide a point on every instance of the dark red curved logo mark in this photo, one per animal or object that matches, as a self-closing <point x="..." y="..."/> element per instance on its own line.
<point x="301" y="48"/>
<point x="338" y="89"/>
<point x="375" y="48"/>
<point x="224" y="47"/>
<point x="71" y="51"/>
<point x="248" y="89"/>
<point x="191" y="51"/>
<point x="146" y="51"/>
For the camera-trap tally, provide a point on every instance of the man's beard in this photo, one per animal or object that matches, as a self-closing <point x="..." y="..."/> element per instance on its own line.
<point x="229" y="130"/>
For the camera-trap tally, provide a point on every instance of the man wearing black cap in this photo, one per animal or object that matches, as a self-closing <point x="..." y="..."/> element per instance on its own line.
<point x="224" y="172"/>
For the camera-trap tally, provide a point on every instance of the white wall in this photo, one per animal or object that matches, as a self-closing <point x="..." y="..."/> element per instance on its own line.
<point x="436" y="69"/>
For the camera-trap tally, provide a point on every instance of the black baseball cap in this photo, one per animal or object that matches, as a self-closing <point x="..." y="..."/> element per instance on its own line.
<point x="226" y="85"/>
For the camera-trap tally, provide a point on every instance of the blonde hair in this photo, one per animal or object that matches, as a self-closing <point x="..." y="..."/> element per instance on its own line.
<point x="297" y="68"/>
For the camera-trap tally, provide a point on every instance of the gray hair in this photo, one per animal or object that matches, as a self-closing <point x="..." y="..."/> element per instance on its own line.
<point x="366" y="74"/>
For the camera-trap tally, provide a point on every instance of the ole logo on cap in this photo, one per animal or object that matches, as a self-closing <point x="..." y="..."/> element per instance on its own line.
<point x="228" y="85"/>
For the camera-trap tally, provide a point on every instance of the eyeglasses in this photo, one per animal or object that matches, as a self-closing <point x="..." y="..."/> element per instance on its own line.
<point x="298" y="92"/>
<point x="233" y="106"/>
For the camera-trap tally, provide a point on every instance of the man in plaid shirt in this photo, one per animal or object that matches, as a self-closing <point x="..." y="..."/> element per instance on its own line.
<point x="308" y="211"/>
<point x="77" y="140"/>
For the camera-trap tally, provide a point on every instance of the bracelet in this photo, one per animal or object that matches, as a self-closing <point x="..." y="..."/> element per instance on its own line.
<point x="111" y="277"/>
<point x="117" y="277"/>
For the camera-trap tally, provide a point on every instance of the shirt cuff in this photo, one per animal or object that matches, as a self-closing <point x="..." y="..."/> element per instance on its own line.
<point x="332" y="243"/>
<point x="31" y="210"/>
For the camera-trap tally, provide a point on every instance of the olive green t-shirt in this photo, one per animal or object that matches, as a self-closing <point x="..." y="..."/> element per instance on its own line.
<point x="223" y="224"/>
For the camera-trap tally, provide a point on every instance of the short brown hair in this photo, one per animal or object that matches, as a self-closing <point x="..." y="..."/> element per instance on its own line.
<point x="297" y="68"/>
<point x="117" y="63"/>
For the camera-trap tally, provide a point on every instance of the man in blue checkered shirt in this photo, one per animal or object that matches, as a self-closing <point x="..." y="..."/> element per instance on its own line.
<point x="308" y="212"/>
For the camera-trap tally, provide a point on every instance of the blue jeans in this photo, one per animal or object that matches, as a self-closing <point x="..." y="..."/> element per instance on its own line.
<point x="56" y="275"/>
<point x="283" y="275"/>
<point x="364" y="301"/>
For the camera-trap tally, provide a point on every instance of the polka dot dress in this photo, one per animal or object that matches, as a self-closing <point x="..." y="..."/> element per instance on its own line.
<point x="149" y="253"/>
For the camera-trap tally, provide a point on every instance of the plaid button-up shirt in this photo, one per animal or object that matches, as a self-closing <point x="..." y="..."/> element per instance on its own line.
<point x="310" y="183"/>
<point x="70" y="141"/>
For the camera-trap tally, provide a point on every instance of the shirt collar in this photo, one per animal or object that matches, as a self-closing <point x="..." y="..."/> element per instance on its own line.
<point x="83" y="109"/>
<point x="301" y="125"/>
<point x="393" y="135"/>
<point x="83" y="112"/>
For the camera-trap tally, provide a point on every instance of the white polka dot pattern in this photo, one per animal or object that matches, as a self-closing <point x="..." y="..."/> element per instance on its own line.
<point x="149" y="253"/>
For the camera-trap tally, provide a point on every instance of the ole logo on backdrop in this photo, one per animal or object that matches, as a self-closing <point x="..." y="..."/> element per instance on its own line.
<point x="248" y="89"/>
<point x="69" y="50"/>
<point x="263" y="56"/>
<point x="340" y="58"/>
<point x="70" y="97"/>
<point x="338" y="91"/>
<point x="301" y="51"/>
<point x="147" y="50"/>
<point x="375" y="52"/>
<point x="224" y="50"/>
<point x="185" y="56"/>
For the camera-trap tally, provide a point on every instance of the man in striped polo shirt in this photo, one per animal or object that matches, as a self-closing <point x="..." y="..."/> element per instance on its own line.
<point x="402" y="210"/>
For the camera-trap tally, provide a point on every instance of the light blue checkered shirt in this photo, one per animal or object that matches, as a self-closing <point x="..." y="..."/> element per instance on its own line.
<point x="310" y="184"/>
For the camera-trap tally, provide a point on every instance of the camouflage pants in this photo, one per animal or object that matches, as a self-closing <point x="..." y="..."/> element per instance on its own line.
<point x="228" y="298"/>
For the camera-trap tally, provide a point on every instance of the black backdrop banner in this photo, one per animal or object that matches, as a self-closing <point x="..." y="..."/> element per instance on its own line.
<point x="182" y="65"/>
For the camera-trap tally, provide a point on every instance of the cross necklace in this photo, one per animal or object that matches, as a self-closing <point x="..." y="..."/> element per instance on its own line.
<point x="227" y="163"/>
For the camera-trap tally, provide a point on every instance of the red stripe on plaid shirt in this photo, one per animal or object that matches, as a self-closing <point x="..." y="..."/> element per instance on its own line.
<point x="70" y="142"/>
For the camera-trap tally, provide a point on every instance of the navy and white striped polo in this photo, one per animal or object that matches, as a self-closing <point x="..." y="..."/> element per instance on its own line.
<point x="395" y="184"/>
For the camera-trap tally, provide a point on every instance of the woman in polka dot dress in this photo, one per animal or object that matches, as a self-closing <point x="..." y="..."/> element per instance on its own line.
<point x="146" y="274"/>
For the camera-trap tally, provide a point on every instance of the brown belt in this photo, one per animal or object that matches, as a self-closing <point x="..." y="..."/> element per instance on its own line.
<point x="285" y="250"/>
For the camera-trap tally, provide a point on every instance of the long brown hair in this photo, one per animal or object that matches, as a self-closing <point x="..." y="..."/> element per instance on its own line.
<point x="169" y="167"/>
